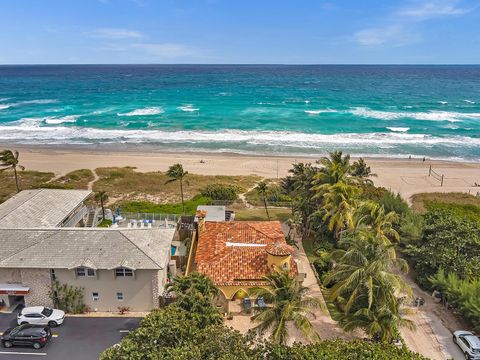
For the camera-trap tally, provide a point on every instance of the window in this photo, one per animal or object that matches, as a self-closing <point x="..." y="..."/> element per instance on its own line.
<point x="47" y="312"/>
<point x="95" y="296"/>
<point x="83" y="271"/>
<point x="285" y="266"/>
<point x="52" y="275"/>
<point x="119" y="296"/>
<point x="123" y="272"/>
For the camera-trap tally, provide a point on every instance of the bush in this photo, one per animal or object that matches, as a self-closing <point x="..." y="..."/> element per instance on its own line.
<point x="464" y="295"/>
<point x="221" y="191"/>
<point x="450" y="242"/>
<point x="175" y="208"/>
<point x="105" y="223"/>
<point x="67" y="298"/>
<point x="392" y="202"/>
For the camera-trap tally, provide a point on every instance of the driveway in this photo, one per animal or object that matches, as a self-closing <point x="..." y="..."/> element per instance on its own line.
<point x="79" y="338"/>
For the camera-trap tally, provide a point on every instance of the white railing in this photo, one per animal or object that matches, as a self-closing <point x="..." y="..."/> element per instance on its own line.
<point x="80" y="215"/>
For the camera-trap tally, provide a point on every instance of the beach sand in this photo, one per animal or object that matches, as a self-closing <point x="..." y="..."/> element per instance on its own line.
<point x="404" y="176"/>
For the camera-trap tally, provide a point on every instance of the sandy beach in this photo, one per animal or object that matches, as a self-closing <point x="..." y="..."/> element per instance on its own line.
<point x="407" y="176"/>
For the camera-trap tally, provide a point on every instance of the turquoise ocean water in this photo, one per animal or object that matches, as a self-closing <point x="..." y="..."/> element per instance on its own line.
<point x="388" y="111"/>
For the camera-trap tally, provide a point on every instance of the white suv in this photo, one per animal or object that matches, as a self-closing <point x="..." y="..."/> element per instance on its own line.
<point x="40" y="315"/>
<point x="468" y="343"/>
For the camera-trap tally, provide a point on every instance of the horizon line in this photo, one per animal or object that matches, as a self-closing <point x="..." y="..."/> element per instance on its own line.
<point x="243" y="64"/>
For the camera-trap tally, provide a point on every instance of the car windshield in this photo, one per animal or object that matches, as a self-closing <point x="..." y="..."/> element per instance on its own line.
<point x="47" y="312"/>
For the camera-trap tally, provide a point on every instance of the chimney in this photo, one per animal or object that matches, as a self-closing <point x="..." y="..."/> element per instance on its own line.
<point x="201" y="215"/>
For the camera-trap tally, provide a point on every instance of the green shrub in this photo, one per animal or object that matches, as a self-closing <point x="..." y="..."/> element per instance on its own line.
<point x="219" y="191"/>
<point x="392" y="202"/>
<point x="67" y="298"/>
<point x="105" y="223"/>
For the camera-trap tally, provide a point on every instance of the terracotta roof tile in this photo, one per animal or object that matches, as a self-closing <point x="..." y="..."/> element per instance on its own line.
<point x="235" y="253"/>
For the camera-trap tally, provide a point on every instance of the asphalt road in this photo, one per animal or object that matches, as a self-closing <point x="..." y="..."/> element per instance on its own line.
<point x="78" y="338"/>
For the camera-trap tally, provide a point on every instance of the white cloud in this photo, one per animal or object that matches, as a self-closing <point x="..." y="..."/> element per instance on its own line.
<point x="165" y="50"/>
<point x="395" y="35"/>
<point x="116" y="33"/>
<point x="154" y="50"/>
<point x="433" y="9"/>
<point x="401" y="27"/>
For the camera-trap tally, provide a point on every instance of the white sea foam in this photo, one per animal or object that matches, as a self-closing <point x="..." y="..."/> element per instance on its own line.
<point x="4" y="99"/>
<point x="316" y="112"/>
<point x="398" y="129"/>
<point x="428" y="115"/>
<point x="31" y="131"/>
<point x="443" y="102"/>
<point x="5" y="106"/>
<point x="154" y="110"/>
<point x="188" y="108"/>
<point x="27" y="102"/>
<point x="60" y="120"/>
<point x="469" y="101"/>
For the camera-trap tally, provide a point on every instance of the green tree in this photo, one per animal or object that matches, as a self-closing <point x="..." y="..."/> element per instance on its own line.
<point x="262" y="189"/>
<point x="361" y="170"/>
<point x="101" y="197"/>
<point x="176" y="173"/>
<point x="450" y="241"/>
<point x="287" y="302"/>
<point x="371" y="216"/>
<point x="365" y="286"/>
<point x="9" y="160"/>
<point x="339" y="202"/>
<point x="194" y="293"/>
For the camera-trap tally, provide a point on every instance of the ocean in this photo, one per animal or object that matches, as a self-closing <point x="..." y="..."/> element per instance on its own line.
<point x="376" y="111"/>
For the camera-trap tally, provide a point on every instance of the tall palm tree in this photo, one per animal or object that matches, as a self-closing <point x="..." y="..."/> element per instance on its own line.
<point x="193" y="282"/>
<point x="101" y="197"/>
<point x="287" y="302"/>
<point x="262" y="189"/>
<point x="335" y="168"/>
<point x="366" y="286"/>
<point x="176" y="173"/>
<point x="371" y="215"/>
<point x="9" y="160"/>
<point x="338" y="206"/>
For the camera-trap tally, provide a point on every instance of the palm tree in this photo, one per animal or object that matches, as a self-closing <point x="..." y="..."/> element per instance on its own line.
<point x="371" y="215"/>
<point x="262" y="189"/>
<point x="335" y="168"/>
<point x="193" y="282"/>
<point x="9" y="160"/>
<point x="338" y="206"/>
<point x="176" y="173"/>
<point x="366" y="286"/>
<point x="287" y="302"/>
<point x="101" y="197"/>
<point x="361" y="170"/>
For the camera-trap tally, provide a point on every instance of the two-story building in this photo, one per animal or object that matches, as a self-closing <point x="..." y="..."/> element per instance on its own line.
<point x="114" y="267"/>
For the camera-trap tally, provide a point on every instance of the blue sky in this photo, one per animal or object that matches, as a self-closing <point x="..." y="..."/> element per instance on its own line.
<point x="240" y="31"/>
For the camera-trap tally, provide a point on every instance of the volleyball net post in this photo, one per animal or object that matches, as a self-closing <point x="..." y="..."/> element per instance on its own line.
<point x="435" y="175"/>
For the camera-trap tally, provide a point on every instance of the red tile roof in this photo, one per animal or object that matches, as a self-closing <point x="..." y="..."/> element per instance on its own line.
<point x="235" y="252"/>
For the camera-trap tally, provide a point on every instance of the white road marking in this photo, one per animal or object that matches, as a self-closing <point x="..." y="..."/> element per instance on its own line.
<point x="124" y="331"/>
<point x="21" y="353"/>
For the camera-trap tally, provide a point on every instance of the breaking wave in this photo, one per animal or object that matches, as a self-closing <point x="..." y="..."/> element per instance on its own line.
<point x="427" y="115"/>
<point x="188" y="108"/>
<point x="155" y="110"/>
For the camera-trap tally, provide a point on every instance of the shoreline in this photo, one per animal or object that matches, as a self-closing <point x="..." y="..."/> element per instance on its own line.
<point x="404" y="176"/>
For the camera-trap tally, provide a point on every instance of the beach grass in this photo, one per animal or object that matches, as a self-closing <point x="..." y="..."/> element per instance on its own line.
<point x="420" y="201"/>
<point x="151" y="207"/>
<point x="28" y="180"/>
<point x="127" y="183"/>
<point x="77" y="179"/>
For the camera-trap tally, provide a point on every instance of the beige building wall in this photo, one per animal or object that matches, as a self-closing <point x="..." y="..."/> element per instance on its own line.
<point x="137" y="290"/>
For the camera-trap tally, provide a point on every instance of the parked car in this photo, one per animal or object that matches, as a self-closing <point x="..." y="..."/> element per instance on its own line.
<point x="468" y="343"/>
<point x="26" y="335"/>
<point x="40" y="315"/>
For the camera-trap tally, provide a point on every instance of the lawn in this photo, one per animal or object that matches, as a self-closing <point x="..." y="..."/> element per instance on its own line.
<point x="150" y="207"/>
<point x="28" y="180"/>
<point x="258" y="214"/>
<point x="122" y="183"/>
<point x="420" y="201"/>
